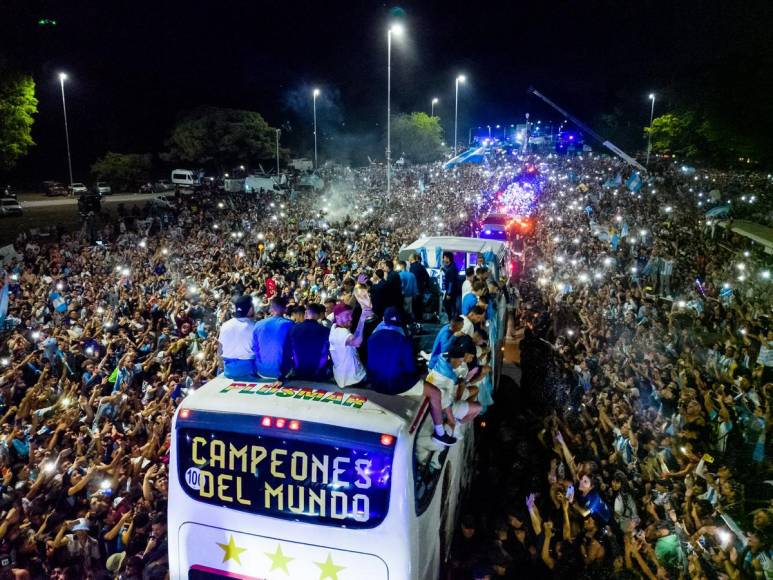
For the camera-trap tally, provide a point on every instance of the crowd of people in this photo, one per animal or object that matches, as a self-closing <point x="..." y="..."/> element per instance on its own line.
<point x="647" y="376"/>
<point x="645" y="360"/>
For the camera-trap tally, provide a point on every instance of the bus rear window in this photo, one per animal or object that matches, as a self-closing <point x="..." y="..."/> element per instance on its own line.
<point x="336" y="485"/>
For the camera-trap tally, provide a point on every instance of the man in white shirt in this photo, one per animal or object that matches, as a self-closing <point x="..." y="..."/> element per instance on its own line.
<point x="473" y="318"/>
<point x="235" y="342"/>
<point x="348" y="370"/>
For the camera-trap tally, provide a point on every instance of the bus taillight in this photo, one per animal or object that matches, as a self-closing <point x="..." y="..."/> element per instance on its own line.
<point x="185" y="413"/>
<point x="280" y="423"/>
<point x="387" y="439"/>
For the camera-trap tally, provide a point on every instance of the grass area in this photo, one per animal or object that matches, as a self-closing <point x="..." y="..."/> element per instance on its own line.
<point x="39" y="217"/>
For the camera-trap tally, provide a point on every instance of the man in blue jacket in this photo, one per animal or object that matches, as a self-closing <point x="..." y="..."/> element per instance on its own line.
<point x="309" y="343"/>
<point x="269" y="342"/>
<point x="391" y="365"/>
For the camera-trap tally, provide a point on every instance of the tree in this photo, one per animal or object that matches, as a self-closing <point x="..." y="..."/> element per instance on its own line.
<point x="17" y="107"/>
<point x="675" y="133"/>
<point x="417" y="136"/>
<point x="221" y="138"/>
<point x="123" y="170"/>
<point x="696" y="135"/>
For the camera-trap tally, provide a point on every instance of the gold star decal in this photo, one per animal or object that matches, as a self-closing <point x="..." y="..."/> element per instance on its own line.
<point x="232" y="550"/>
<point x="278" y="560"/>
<point x="328" y="569"/>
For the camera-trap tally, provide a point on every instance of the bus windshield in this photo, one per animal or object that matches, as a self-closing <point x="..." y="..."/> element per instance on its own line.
<point x="299" y="476"/>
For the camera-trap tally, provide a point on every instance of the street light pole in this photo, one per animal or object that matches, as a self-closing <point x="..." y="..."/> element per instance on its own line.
<point x="432" y="108"/>
<point x="649" y="133"/>
<point x="459" y="79"/>
<point x="316" y="94"/>
<point x="277" y="151"/>
<point x="62" y="78"/>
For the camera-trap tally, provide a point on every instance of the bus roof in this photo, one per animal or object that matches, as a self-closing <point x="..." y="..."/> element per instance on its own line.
<point x="452" y="244"/>
<point x="308" y="401"/>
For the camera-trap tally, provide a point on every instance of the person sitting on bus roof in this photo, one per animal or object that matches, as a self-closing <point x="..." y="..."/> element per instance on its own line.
<point x="391" y="366"/>
<point x="269" y="342"/>
<point x="310" y="346"/>
<point x="235" y="342"/>
<point x="465" y="406"/>
<point x="347" y="367"/>
<point x="472" y="298"/>
<point x="444" y="339"/>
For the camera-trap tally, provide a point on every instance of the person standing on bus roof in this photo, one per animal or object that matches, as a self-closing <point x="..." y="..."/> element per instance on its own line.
<point x="391" y="366"/>
<point x="452" y="288"/>
<point x="235" y="342"/>
<point x="347" y="367"/>
<point x="423" y="284"/>
<point x="270" y="344"/>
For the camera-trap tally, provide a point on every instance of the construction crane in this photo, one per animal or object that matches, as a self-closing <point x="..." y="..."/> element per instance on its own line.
<point x="608" y="144"/>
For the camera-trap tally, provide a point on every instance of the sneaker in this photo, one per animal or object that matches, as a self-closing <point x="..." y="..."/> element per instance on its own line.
<point x="445" y="439"/>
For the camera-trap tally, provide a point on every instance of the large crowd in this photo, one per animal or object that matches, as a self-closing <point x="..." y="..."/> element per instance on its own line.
<point x="645" y="364"/>
<point x="647" y="372"/>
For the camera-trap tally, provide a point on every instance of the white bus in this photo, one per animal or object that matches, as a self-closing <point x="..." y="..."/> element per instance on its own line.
<point x="308" y="481"/>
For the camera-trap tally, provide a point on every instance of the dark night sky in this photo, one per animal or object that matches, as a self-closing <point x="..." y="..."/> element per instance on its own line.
<point x="134" y="66"/>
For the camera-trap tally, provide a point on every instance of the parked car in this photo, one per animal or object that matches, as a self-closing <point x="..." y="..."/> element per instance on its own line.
<point x="78" y="188"/>
<point x="9" y="191"/>
<point x="10" y="206"/>
<point x="52" y="188"/>
<point x="103" y="188"/>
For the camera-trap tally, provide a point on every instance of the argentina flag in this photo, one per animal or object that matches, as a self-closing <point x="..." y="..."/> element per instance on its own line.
<point x="634" y="182"/>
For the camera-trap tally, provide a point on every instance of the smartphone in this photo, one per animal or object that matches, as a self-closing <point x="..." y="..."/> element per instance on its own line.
<point x="570" y="492"/>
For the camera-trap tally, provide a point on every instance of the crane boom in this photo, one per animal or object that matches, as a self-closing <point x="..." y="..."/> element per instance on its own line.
<point x="608" y="144"/>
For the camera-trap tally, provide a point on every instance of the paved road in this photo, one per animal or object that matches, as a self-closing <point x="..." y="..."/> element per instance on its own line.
<point x="54" y="201"/>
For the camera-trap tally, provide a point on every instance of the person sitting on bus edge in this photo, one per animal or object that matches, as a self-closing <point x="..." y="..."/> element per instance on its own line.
<point x="347" y="367"/>
<point x="391" y="366"/>
<point x="471" y="298"/>
<point x="310" y="346"/>
<point x="235" y="342"/>
<point x="451" y="285"/>
<point x="440" y="387"/>
<point x="269" y="342"/>
<point x="444" y="339"/>
<point x="466" y="406"/>
<point x="473" y="319"/>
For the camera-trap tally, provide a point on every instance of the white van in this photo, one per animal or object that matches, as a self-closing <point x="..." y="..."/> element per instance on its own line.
<point x="185" y="177"/>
